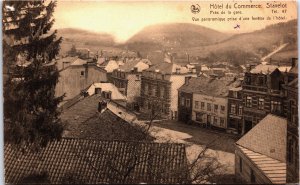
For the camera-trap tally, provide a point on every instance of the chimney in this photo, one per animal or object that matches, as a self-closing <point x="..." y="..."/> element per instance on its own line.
<point x="294" y="62"/>
<point x="187" y="79"/>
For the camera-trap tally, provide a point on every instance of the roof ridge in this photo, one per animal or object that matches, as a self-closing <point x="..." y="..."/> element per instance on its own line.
<point x="117" y="140"/>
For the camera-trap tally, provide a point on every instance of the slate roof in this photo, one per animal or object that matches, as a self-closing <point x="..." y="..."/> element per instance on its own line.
<point x="268" y="137"/>
<point x="209" y="86"/>
<point x="99" y="161"/>
<point x="168" y="68"/>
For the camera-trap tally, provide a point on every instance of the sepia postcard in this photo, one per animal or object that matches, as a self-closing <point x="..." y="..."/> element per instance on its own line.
<point x="139" y="92"/>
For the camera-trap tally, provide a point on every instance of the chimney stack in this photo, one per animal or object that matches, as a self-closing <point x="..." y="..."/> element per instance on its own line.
<point x="294" y="62"/>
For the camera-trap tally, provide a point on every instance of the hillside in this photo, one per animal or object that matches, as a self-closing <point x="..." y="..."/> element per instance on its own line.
<point x="257" y="44"/>
<point x="175" y="35"/>
<point x="200" y="43"/>
<point x="84" y="39"/>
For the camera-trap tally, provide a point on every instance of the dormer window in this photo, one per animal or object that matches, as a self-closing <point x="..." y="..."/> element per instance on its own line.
<point x="177" y="70"/>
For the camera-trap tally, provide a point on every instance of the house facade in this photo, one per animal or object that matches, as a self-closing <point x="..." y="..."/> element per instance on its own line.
<point x="128" y="79"/>
<point x="78" y="76"/>
<point x="185" y="103"/>
<point x="235" y="110"/>
<point x="207" y="106"/>
<point x="159" y="88"/>
<point x="292" y="150"/>
<point x="262" y="94"/>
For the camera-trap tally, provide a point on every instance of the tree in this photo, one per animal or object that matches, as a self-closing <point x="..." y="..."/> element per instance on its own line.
<point x="73" y="51"/>
<point x="31" y="118"/>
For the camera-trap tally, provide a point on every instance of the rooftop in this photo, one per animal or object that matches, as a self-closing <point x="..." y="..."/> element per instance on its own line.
<point x="268" y="137"/>
<point x="213" y="87"/>
<point x="84" y="121"/>
<point x="168" y="68"/>
<point x="98" y="161"/>
<point x="264" y="69"/>
<point x="115" y="93"/>
<point x="132" y="63"/>
<point x="79" y="62"/>
<point x="274" y="169"/>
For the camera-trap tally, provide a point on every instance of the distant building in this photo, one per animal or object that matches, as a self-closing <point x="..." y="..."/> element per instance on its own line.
<point x="108" y="65"/>
<point x="127" y="79"/>
<point x="262" y="94"/>
<point x="204" y="101"/>
<point x="159" y="88"/>
<point x="260" y="154"/>
<point x="77" y="76"/>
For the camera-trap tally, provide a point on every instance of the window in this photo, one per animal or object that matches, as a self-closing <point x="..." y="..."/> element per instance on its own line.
<point x="199" y="117"/>
<point x="222" y="122"/>
<point x="261" y="103"/>
<point x="291" y="151"/>
<point x="196" y="104"/>
<point x="153" y="93"/>
<point x="162" y="92"/>
<point x="202" y="105"/>
<point x="187" y="103"/>
<point x="252" y="176"/>
<point x="208" y="107"/>
<point x="234" y="94"/>
<point x="138" y="78"/>
<point x="261" y="80"/>
<point x="240" y="110"/>
<point x="249" y="101"/>
<point x="146" y="89"/>
<point x="222" y="109"/>
<point x="216" y="108"/>
<point x="275" y="106"/>
<point x="241" y="165"/>
<point x="182" y="101"/>
<point x="82" y="73"/>
<point x="215" y="120"/>
<point x="232" y="109"/>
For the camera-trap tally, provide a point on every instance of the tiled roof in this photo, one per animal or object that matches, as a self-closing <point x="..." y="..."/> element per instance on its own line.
<point x="209" y="86"/>
<point x="97" y="161"/>
<point x="275" y="170"/>
<point x="168" y="68"/>
<point x="268" y="137"/>
<point x="84" y="121"/>
<point x="264" y="69"/>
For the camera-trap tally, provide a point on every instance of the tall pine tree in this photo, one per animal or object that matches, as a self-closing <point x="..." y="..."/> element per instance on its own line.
<point x="31" y="118"/>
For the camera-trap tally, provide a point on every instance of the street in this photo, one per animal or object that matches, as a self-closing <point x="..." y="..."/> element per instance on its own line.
<point x="196" y="138"/>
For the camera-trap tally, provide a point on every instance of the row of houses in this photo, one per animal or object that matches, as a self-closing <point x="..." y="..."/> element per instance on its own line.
<point x="236" y="105"/>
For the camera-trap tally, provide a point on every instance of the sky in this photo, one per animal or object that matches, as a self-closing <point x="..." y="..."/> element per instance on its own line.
<point x="124" y="19"/>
